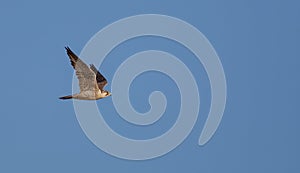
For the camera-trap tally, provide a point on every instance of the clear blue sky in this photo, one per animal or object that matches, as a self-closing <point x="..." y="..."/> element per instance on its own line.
<point x="257" y="42"/>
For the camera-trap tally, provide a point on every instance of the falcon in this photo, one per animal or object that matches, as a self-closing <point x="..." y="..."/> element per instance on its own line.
<point x="91" y="81"/>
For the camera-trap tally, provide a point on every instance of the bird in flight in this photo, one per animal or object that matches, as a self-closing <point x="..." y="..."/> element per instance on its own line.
<point x="91" y="81"/>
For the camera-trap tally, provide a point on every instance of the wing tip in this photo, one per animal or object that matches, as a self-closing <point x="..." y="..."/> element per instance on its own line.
<point x="71" y="54"/>
<point x="68" y="49"/>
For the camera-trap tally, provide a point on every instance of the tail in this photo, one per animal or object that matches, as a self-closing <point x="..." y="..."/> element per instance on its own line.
<point x="66" y="97"/>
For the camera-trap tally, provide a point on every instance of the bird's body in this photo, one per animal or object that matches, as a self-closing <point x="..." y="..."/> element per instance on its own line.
<point x="86" y="95"/>
<point x="91" y="81"/>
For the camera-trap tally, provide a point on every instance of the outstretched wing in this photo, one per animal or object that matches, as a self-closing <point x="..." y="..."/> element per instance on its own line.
<point x="86" y="77"/>
<point x="101" y="81"/>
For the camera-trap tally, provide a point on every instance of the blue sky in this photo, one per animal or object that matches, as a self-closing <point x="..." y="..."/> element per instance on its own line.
<point x="257" y="42"/>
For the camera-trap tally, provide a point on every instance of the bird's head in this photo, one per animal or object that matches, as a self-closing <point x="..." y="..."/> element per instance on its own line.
<point x="107" y="93"/>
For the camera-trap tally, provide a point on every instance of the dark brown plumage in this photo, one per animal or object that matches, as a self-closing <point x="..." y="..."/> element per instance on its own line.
<point x="101" y="81"/>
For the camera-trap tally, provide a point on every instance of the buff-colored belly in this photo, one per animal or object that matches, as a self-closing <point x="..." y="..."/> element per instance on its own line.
<point x="86" y="95"/>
